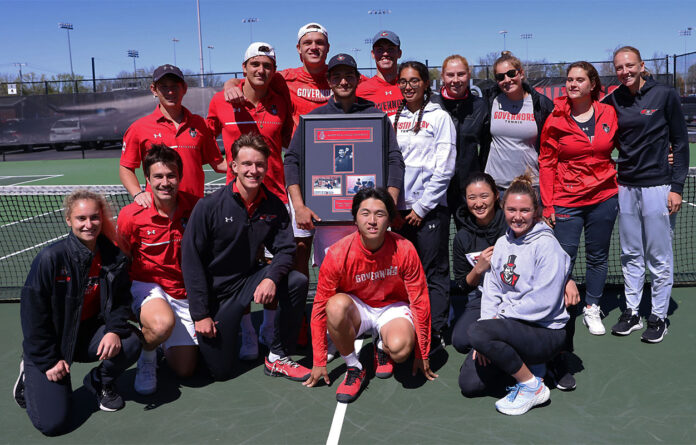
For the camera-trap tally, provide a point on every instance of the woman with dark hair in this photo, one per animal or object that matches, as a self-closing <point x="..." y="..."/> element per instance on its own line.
<point x="578" y="180"/>
<point x="75" y="307"/>
<point x="482" y="222"/>
<point x="517" y="115"/>
<point x="470" y="116"/>
<point x="522" y="307"/>
<point x="651" y="123"/>
<point x="426" y="137"/>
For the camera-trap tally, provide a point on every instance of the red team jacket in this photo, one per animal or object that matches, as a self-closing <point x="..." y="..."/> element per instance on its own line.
<point x="574" y="171"/>
<point x="192" y="140"/>
<point x="154" y="242"/>
<point x="271" y="119"/>
<point x="392" y="274"/>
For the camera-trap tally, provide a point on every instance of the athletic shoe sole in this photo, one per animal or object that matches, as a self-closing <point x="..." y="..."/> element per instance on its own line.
<point x="539" y="399"/>
<point x="20" y="378"/>
<point x="90" y="387"/>
<point x="657" y="340"/>
<point x="347" y="398"/>
<point x="602" y="332"/>
<point x="631" y="329"/>
<point x="270" y="373"/>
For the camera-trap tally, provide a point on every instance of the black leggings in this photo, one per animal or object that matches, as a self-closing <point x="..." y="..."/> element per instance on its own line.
<point x="431" y="242"/>
<point x="460" y="332"/>
<point x="508" y="344"/>
<point x="48" y="403"/>
<point x="220" y="353"/>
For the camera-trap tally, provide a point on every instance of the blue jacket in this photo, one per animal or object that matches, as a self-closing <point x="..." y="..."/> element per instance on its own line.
<point x="52" y="296"/>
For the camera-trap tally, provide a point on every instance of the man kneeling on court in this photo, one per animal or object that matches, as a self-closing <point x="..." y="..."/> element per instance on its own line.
<point x="151" y="236"/>
<point x="222" y="271"/>
<point x="371" y="282"/>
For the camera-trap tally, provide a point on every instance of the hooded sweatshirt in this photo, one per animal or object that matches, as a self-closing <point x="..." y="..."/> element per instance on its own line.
<point x="527" y="279"/>
<point x="429" y="156"/>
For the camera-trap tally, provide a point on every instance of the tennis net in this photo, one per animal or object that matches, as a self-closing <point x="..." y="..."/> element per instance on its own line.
<point x="31" y="217"/>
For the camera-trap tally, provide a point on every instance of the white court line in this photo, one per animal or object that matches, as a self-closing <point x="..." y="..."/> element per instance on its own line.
<point x="216" y="180"/>
<point x="32" y="247"/>
<point x="30" y="218"/>
<point x="340" y="413"/>
<point x="42" y="178"/>
<point x="23" y="176"/>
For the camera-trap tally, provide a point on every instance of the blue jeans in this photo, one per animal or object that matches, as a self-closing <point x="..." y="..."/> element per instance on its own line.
<point x="598" y="222"/>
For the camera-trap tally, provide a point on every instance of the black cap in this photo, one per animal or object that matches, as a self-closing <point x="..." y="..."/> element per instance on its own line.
<point x="163" y="70"/>
<point x="342" y="59"/>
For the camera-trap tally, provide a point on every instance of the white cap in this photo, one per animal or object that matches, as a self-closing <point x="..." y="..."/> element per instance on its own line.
<point x="259" y="49"/>
<point x="311" y="27"/>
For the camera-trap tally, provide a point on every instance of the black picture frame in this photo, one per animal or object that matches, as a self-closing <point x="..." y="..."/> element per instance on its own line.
<point x="365" y="136"/>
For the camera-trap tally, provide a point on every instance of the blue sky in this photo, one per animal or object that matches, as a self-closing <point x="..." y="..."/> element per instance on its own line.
<point x="105" y="29"/>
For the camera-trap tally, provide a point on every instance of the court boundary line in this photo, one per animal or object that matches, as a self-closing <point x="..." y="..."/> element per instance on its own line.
<point x="340" y="412"/>
<point x="32" y="247"/>
<point x="38" y="178"/>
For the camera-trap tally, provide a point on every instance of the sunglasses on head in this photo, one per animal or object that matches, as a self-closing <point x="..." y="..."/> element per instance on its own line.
<point x="501" y="76"/>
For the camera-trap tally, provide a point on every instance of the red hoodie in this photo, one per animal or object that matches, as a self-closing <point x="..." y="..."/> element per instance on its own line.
<point x="391" y="274"/>
<point x="574" y="171"/>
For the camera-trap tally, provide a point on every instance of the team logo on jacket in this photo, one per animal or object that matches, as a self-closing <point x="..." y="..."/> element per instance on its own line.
<point x="606" y="128"/>
<point x="157" y="135"/>
<point x="648" y="111"/>
<point x="267" y="217"/>
<point x="508" y="274"/>
<point x="193" y="132"/>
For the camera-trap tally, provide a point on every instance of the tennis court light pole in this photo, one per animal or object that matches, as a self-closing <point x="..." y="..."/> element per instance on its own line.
<point x="134" y="55"/>
<point x="250" y="21"/>
<point x="67" y="27"/>
<point x="526" y="37"/>
<point x="504" y="33"/>
<point x="210" y="59"/>
<point x="174" y="41"/>
<point x="200" y="42"/>
<point x="379" y="13"/>
<point x="685" y="33"/>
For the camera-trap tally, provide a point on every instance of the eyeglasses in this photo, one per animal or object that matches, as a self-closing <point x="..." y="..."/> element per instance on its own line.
<point x="413" y="83"/>
<point x="501" y="76"/>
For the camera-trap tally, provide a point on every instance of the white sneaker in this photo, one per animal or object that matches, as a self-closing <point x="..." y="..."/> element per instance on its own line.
<point x="250" y="346"/>
<point x="266" y="334"/>
<point x="592" y="318"/>
<point x="146" y="377"/>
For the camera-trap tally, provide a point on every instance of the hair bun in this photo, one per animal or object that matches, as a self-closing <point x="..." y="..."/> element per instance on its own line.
<point x="505" y="53"/>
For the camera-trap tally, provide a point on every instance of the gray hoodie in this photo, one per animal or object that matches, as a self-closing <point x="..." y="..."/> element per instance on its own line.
<point x="527" y="279"/>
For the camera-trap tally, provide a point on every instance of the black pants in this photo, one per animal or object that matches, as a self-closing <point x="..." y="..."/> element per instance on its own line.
<point x="220" y="353"/>
<point x="48" y="403"/>
<point x="508" y="344"/>
<point x="460" y="332"/>
<point x="431" y="240"/>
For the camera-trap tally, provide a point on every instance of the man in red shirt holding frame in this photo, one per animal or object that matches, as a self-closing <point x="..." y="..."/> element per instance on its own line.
<point x="371" y="281"/>
<point x="152" y="236"/>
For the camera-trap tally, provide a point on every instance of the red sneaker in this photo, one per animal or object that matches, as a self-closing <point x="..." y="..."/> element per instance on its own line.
<point x="349" y="388"/>
<point x="285" y="367"/>
<point x="384" y="366"/>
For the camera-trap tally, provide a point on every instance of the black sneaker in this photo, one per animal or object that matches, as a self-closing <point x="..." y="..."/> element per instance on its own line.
<point x="18" y="389"/>
<point x="107" y="397"/>
<point x="565" y="381"/>
<point x="437" y="343"/>
<point x="628" y="322"/>
<point x="656" y="330"/>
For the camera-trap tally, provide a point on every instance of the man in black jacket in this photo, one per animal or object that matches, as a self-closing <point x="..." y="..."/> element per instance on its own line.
<point x="222" y="271"/>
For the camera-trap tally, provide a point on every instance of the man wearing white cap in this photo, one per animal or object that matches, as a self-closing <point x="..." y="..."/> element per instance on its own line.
<point x="265" y="112"/>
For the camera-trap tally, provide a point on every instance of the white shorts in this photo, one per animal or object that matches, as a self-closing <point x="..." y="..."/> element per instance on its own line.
<point x="184" y="333"/>
<point x="372" y="319"/>
<point x="299" y="233"/>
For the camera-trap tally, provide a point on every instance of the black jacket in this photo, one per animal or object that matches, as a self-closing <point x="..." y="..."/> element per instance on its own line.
<point x="221" y="243"/>
<point x="648" y="123"/>
<point x="395" y="160"/>
<point x="471" y="119"/>
<point x="543" y="107"/>
<point x="51" y="303"/>
<point x="473" y="238"/>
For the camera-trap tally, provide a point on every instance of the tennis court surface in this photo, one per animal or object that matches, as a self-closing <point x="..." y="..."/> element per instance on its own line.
<point x="628" y="391"/>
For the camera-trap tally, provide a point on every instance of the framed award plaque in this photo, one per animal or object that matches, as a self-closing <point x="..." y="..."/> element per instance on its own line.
<point x="341" y="154"/>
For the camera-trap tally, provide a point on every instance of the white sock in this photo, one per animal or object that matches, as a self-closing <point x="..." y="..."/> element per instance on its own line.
<point x="352" y="360"/>
<point x="148" y="356"/>
<point x="269" y="318"/>
<point x="380" y="344"/>
<point x="273" y="357"/>
<point x="634" y="311"/>
<point x="532" y="383"/>
<point x="247" y="326"/>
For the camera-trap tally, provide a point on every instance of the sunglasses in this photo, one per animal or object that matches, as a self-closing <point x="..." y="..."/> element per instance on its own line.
<point x="501" y="76"/>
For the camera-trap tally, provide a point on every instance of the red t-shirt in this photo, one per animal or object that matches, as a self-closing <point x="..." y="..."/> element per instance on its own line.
<point x="192" y="140"/>
<point x="154" y="242"/>
<point x="91" y="301"/>
<point x="386" y="96"/>
<point x="394" y="273"/>
<point x="271" y="118"/>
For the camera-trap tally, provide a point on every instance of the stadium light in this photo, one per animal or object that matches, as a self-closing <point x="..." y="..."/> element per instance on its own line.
<point x="379" y="13"/>
<point x="174" y="41"/>
<point x="210" y="59"/>
<point x="685" y="33"/>
<point x="134" y="55"/>
<point x="504" y="33"/>
<point x="67" y="27"/>
<point x="526" y="37"/>
<point x="250" y="21"/>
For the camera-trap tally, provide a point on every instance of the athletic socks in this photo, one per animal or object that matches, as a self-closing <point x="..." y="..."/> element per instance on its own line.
<point x="148" y="356"/>
<point x="531" y="383"/>
<point x="269" y="317"/>
<point x="247" y="326"/>
<point x="352" y="360"/>
<point x="273" y="357"/>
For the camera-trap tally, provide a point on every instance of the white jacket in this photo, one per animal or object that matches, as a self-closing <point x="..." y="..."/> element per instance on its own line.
<point x="429" y="156"/>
